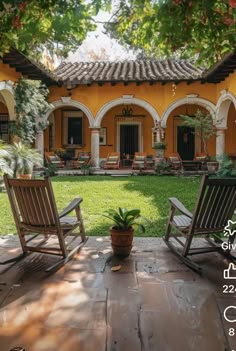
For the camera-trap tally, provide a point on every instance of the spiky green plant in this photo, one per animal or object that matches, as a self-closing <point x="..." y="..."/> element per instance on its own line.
<point x="124" y="219"/>
<point x="4" y="160"/>
<point x="23" y="158"/>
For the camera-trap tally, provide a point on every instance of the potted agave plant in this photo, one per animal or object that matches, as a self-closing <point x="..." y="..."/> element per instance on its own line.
<point x="23" y="159"/>
<point x="122" y="231"/>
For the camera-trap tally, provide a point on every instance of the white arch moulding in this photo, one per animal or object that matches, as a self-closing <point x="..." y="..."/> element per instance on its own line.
<point x="66" y="102"/>
<point x="7" y="92"/>
<point x="126" y="100"/>
<point x="222" y="108"/>
<point x="188" y="100"/>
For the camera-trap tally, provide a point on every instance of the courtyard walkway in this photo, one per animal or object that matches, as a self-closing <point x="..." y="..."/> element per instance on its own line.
<point x="153" y="303"/>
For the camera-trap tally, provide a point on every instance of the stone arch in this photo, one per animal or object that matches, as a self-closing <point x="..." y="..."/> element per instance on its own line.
<point x="7" y="92"/>
<point x="222" y="108"/>
<point x="69" y="102"/>
<point x="188" y="100"/>
<point x="126" y="100"/>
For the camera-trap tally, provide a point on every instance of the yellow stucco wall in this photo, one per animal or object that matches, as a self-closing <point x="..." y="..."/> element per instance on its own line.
<point x="230" y="133"/>
<point x="3" y="108"/>
<point x="159" y="96"/>
<point x="8" y="73"/>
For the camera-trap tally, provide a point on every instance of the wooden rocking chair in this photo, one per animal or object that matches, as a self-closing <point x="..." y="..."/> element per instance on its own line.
<point x="35" y="214"/>
<point x="139" y="161"/>
<point x="215" y="206"/>
<point x="112" y="161"/>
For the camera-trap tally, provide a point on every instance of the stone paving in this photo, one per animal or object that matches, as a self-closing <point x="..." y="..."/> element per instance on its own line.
<point x="153" y="303"/>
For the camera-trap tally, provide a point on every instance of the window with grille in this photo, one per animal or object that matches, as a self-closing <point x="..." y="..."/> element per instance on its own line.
<point x="4" y="128"/>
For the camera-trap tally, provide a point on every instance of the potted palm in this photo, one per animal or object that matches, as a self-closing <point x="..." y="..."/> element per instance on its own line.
<point x="23" y="159"/>
<point x="122" y="231"/>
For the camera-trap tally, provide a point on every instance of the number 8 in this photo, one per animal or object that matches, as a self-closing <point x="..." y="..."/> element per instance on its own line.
<point x="231" y="332"/>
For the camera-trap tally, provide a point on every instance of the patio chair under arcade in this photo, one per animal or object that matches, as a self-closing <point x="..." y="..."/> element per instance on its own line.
<point x="53" y="159"/>
<point x="36" y="217"/>
<point x="175" y="161"/>
<point x="215" y="206"/>
<point x="139" y="160"/>
<point x="112" y="161"/>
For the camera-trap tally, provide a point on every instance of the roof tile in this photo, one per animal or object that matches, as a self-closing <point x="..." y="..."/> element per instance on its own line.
<point x="128" y="71"/>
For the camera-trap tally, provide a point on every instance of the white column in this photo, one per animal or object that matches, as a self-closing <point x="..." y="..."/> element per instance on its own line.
<point x="220" y="141"/>
<point x="95" y="147"/>
<point x="39" y="142"/>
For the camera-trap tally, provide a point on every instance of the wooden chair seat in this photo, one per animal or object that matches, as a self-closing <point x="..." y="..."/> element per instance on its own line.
<point x="181" y="221"/>
<point x="112" y="161"/>
<point x="139" y="160"/>
<point x="175" y="161"/>
<point x="214" y="207"/>
<point x="36" y="216"/>
<point x="53" y="159"/>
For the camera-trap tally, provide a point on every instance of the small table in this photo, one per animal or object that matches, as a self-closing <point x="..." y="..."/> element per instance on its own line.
<point x="126" y="163"/>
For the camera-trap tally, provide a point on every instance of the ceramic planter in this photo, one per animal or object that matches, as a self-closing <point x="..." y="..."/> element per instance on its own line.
<point x="212" y="167"/>
<point x="160" y="153"/>
<point x="122" y="241"/>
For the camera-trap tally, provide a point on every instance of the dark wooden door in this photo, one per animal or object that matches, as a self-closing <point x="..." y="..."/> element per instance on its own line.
<point x="185" y="142"/>
<point x="128" y="139"/>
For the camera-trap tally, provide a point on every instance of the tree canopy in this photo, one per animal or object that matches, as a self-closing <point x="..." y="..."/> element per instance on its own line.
<point x="202" y="29"/>
<point x="58" y="25"/>
<point x="199" y="29"/>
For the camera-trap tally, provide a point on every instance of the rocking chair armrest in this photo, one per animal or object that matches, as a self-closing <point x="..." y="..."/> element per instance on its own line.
<point x="72" y="206"/>
<point x="180" y="207"/>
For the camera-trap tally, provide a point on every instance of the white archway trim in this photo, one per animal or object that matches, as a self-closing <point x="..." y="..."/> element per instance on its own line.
<point x="7" y="85"/>
<point x="188" y="100"/>
<point x="7" y="91"/>
<point x="74" y="103"/>
<point x="126" y="100"/>
<point x="222" y="108"/>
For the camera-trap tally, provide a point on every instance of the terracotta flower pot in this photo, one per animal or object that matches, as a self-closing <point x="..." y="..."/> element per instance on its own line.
<point x="121" y="241"/>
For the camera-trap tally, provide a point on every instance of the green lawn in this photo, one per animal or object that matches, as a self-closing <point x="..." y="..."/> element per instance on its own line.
<point x="148" y="193"/>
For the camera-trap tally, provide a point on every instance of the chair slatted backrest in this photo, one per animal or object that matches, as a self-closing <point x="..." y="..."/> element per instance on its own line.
<point x="32" y="202"/>
<point x="216" y="203"/>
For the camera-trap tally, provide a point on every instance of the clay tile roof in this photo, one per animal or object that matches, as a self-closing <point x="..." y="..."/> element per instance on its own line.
<point x="222" y="69"/>
<point x="28" y="67"/>
<point x="127" y="71"/>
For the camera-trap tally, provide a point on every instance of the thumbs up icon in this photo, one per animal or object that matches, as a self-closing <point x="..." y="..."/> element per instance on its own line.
<point x="230" y="272"/>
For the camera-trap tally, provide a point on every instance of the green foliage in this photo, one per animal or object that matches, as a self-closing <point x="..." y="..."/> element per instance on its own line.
<point x="203" y="126"/>
<point x="161" y="145"/>
<point x="58" y="25"/>
<point x="4" y="160"/>
<point x="163" y="167"/>
<point x="31" y="106"/>
<point x="227" y="168"/>
<point x="23" y="158"/>
<point x="202" y="29"/>
<point x="50" y="170"/>
<point x="85" y="169"/>
<point x="124" y="219"/>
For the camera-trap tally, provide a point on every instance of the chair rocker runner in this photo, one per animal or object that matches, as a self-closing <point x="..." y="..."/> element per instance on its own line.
<point x="35" y="214"/>
<point x="215" y="205"/>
